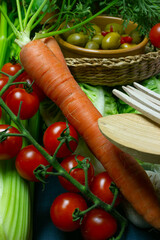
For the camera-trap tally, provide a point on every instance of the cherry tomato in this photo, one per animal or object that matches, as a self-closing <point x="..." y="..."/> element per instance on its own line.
<point x="27" y="160"/>
<point x="21" y="76"/>
<point x="36" y="89"/>
<point x="104" y="33"/>
<point x="126" y="39"/>
<point x="51" y="142"/>
<point x="154" y="35"/>
<point x="98" y="224"/>
<point x="3" y="82"/>
<point x="10" y="147"/>
<point x="30" y="102"/>
<point x="77" y="173"/>
<point x="100" y="187"/>
<point x="62" y="209"/>
<point x="11" y="68"/>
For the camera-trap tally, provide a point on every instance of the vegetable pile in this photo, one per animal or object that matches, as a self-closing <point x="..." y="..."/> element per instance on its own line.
<point x="71" y="145"/>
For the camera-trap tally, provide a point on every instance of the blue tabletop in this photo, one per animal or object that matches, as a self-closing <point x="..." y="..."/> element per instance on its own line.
<point x="44" y="228"/>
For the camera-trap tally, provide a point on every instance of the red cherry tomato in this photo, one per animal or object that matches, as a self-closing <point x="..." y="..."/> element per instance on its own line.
<point x="30" y="102"/>
<point x="100" y="187"/>
<point x="104" y="33"/>
<point x="3" y="82"/>
<point x="10" y="147"/>
<point x="126" y="39"/>
<point x="27" y="160"/>
<point x="21" y="76"/>
<point x="62" y="209"/>
<point x="154" y="35"/>
<point x="36" y="89"/>
<point x="11" y="68"/>
<point x="51" y="142"/>
<point x="98" y="224"/>
<point x="77" y="173"/>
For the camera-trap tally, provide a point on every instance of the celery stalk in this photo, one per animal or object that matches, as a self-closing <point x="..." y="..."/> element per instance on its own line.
<point x="16" y="198"/>
<point x="3" y="35"/>
<point x="15" y="204"/>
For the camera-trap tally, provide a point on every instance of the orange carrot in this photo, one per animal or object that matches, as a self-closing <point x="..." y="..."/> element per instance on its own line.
<point x="53" y="45"/>
<point x="59" y="85"/>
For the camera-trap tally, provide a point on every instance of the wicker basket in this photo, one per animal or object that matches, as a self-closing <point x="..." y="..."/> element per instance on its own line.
<point x="115" y="71"/>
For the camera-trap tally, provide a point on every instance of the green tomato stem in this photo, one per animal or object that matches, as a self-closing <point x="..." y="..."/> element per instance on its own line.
<point x="115" y="197"/>
<point x="10" y="81"/>
<point x="56" y="165"/>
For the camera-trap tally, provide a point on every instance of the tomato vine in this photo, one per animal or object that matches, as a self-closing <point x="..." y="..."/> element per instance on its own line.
<point x="41" y="171"/>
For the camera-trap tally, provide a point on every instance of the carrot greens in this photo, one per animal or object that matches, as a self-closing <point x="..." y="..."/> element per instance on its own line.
<point x="29" y="19"/>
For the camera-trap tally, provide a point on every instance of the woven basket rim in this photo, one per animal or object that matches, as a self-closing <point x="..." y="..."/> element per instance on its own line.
<point x="109" y="62"/>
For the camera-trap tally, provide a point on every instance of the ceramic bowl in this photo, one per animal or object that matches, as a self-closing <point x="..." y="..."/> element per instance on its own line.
<point x="72" y="51"/>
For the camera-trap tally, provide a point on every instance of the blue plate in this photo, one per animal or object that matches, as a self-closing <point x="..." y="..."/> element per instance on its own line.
<point x="44" y="228"/>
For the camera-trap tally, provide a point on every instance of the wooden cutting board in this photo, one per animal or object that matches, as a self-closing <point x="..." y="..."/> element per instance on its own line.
<point x="134" y="134"/>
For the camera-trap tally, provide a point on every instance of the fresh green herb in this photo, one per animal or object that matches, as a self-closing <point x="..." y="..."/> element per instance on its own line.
<point x="145" y="13"/>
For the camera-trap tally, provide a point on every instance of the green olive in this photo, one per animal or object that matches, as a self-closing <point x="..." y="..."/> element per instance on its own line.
<point x="77" y="39"/>
<point x="69" y="32"/>
<point x="127" y="45"/>
<point x="86" y="36"/>
<point x="98" y="38"/>
<point x="92" y="45"/>
<point x="115" y="27"/>
<point x="136" y="36"/>
<point x="96" y="29"/>
<point x="111" y="41"/>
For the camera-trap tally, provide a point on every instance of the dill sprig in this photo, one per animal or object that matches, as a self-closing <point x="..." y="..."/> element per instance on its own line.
<point x="146" y="13"/>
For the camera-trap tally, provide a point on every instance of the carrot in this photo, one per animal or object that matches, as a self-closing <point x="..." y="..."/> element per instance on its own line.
<point x="59" y="85"/>
<point x="53" y="45"/>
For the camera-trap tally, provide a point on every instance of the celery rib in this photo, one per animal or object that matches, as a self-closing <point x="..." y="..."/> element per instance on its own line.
<point x="15" y="203"/>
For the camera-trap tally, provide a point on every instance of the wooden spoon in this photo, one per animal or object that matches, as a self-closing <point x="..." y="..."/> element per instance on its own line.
<point x="134" y="134"/>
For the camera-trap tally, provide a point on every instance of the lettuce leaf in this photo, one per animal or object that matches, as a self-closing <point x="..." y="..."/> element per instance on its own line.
<point x="152" y="83"/>
<point x="101" y="97"/>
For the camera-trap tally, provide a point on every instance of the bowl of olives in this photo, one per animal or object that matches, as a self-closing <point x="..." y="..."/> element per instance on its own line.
<point x="107" y="39"/>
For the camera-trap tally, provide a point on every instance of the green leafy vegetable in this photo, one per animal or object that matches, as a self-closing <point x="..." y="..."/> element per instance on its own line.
<point x="152" y="83"/>
<point x="101" y="97"/>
